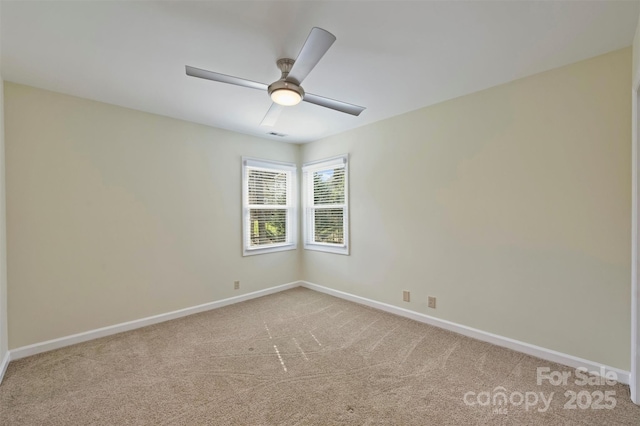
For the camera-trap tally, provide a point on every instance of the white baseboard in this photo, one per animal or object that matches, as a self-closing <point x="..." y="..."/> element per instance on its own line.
<point x="533" y="350"/>
<point x="61" y="342"/>
<point x="4" y="364"/>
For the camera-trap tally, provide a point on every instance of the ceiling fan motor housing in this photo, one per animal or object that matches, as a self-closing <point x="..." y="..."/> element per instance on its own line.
<point x="285" y="65"/>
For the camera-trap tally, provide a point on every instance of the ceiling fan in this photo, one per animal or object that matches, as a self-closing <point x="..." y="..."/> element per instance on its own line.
<point x="287" y="91"/>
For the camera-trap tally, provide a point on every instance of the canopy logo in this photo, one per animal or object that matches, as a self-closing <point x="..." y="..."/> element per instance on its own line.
<point x="499" y="399"/>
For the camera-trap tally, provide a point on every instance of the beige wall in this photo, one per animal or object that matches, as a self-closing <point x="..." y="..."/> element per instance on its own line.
<point x="115" y="215"/>
<point x="4" y="340"/>
<point x="510" y="205"/>
<point x="635" y="73"/>
<point x="635" y="295"/>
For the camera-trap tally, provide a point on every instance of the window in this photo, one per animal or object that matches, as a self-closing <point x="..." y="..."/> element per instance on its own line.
<point x="268" y="206"/>
<point x="326" y="203"/>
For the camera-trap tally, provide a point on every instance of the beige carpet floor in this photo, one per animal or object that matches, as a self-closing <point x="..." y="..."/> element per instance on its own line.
<point x="295" y="358"/>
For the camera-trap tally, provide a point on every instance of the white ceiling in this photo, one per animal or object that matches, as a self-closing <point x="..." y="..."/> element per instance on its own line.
<point x="390" y="56"/>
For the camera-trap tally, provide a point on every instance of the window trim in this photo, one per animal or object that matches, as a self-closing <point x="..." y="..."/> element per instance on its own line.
<point x="291" y="206"/>
<point x="307" y="197"/>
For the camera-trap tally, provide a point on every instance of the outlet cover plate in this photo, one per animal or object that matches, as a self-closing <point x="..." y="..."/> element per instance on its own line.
<point x="432" y="302"/>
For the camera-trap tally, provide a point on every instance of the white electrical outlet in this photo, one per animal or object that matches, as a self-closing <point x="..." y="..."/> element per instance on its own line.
<point x="406" y="296"/>
<point x="236" y="285"/>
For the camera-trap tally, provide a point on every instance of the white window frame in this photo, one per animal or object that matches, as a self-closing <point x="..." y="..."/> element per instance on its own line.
<point x="308" y="207"/>
<point x="291" y="207"/>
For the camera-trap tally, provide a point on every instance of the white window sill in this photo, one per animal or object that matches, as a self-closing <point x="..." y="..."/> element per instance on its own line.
<point x="269" y="249"/>
<point x="328" y="248"/>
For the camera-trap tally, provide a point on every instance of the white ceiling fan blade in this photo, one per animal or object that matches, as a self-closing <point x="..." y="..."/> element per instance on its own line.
<point x="272" y="115"/>
<point x="317" y="44"/>
<point x="223" y="78"/>
<point x="333" y="104"/>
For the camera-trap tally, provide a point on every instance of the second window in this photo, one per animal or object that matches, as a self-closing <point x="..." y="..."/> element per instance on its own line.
<point x="325" y="194"/>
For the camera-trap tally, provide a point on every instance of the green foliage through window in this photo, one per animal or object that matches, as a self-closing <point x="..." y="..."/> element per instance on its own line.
<point x="268" y="226"/>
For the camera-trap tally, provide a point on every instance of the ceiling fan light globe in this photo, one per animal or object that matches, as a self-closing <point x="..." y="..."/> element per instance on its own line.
<point x="285" y="93"/>
<point x="286" y="97"/>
